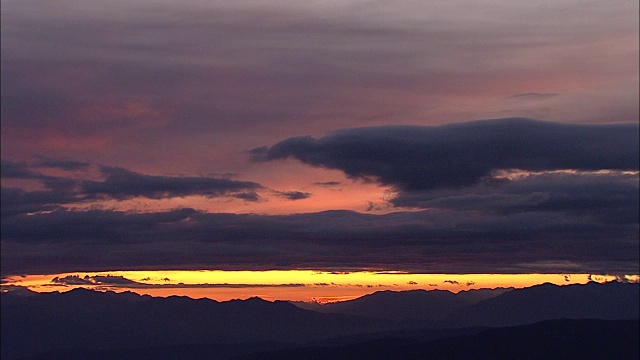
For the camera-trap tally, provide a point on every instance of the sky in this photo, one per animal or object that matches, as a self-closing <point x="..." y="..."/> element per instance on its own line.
<point x="423" y="137"/>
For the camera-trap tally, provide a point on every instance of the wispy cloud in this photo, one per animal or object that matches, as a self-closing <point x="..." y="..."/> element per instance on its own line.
<point x="293" y="195"/>
<point x="121" y="183"/>
<point x="110" y="281"/>
<point x="534" y="96"/>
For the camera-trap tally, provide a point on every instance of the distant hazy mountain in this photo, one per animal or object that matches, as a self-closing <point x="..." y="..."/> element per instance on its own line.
<point x="433" y="305"/>
<point x="85" y="322"/>
<point x="610" y="301"/>
<point x="500" y="307"/>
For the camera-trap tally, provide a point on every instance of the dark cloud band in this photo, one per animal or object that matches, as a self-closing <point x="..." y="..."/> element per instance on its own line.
<point x="118" y="184"/>
<point x="122" y="183"/>
<point x="424" y="241"/>
<point x="461" y="155"/>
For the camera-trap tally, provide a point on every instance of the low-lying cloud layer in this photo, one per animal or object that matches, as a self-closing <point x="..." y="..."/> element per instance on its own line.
<point x="430" y="241"/>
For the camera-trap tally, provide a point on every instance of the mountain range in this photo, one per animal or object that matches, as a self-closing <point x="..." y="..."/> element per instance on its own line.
<point x="87" y="324"/>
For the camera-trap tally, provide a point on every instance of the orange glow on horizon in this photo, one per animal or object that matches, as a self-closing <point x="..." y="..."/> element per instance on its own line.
<point x="296" y="285"/>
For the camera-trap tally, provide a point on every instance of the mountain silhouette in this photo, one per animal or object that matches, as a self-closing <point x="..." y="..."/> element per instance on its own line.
<point x="609" y="301"/>
<point x="85" y="322"/>
<point x="85" y="319"/>
<point x="432" y="305"/>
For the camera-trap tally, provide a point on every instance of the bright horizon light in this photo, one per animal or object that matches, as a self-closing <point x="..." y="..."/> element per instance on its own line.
<point x="294" y="285"/>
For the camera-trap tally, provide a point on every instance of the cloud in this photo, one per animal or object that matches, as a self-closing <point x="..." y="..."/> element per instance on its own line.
<point x="16" y="201"/>
<point x="197" y="96"/>
<point x="116" y="281"/>
<point x="414" y="158"/>
<point x="247" y="196"/>
<point x="293" y="195"/>
<point x="117" y="183"/>
<point x="371" y="206"/>
<point x="122" y="184"/>
<point x="328" y="183"/>
<point x="455" y="282"/>
<point x="366" y="65"/>
<point x="534" y="96"/>
<point x="610" y="196"/>
<point x="511" y="183"/>
<point x="462" y="241"/>
<point x="17" y="170"/>
<point x="63" y="164"/>
<point x="112" y="226"/>
<point x="113" y="280"/>
<point x="547" y="220"/>
<point x="72" y="280"/>
<point x="24" y="170"/>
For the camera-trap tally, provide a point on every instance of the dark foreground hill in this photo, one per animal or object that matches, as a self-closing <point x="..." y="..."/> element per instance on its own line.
<point x="553" y="339"/>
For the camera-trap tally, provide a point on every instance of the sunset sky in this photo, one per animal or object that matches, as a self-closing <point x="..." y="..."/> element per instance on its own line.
<point x="330" y="137"/>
